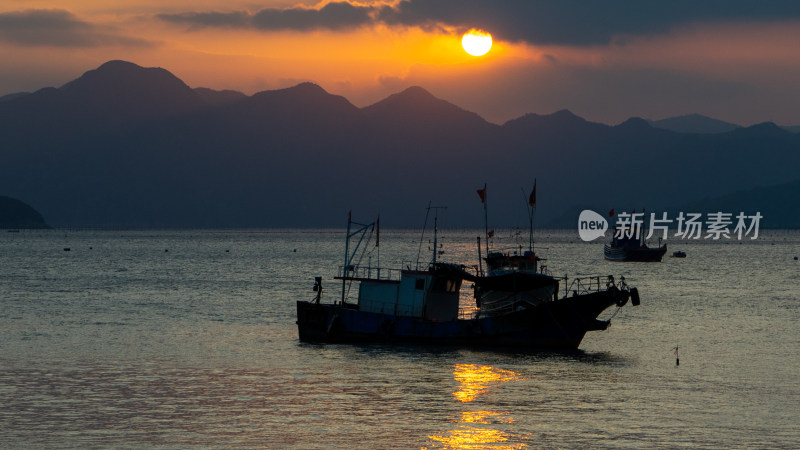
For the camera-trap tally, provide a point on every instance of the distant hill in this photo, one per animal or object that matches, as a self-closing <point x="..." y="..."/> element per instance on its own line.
<point x="792" y="129"/>
<point x="13" y="96"/>
<point x="213" y="97"/>
<point x="128" y="146"/>
<point x="15" y="214"/>
<point x="776" y="203"/>
<point x="694" y="123"/>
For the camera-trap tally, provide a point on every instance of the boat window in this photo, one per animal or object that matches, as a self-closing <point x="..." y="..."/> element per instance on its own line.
<point x="445" y="285"/>
<point x="420" y="286"/>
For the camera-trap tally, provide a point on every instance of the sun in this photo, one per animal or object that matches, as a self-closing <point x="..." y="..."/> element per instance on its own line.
<point x="476" y="42"/>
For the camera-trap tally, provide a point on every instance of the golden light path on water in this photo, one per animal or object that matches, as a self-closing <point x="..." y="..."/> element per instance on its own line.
<point x="474" y="429"/>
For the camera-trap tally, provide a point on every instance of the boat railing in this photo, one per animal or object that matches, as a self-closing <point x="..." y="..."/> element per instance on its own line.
<point x="369" y="272"/>
<point x="500" y="308"/>
<point x="590" y="284"/>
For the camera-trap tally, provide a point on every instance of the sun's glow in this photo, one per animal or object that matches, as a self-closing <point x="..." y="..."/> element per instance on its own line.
<point x="476" y="42"/>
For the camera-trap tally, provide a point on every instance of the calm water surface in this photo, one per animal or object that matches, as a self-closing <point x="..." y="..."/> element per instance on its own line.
<point x="176" y="339"/>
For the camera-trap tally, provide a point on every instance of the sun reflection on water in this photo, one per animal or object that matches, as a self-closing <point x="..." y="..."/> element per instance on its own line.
<point x="479" y="428"/>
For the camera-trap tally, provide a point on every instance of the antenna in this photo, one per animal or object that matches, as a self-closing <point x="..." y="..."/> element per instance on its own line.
<point x="435" y="231"/>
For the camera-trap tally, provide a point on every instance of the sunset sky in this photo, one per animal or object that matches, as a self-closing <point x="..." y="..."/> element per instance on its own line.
<point x="734" y="60"/>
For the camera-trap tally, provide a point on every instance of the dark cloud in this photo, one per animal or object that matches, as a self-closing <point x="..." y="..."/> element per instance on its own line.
<point x="333" y="16"/>
<point x="57" y="28"/>
<point x="236" y="19"/>
<point x="578" y="22"/>
<point x="570" y="22"/>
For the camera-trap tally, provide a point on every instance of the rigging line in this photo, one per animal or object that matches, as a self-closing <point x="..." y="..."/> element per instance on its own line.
<point x="424" y="225"/>
<point x="615" y="313"/>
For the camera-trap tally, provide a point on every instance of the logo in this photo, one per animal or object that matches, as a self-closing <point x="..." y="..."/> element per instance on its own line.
<point x="688" y="225"/>
<point x="591" y="225"/>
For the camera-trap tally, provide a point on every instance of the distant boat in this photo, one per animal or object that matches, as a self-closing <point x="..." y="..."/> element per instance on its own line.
<point x="632" y="249"/>
<point x="517" y="307"/>
<point x="678" y="254"/>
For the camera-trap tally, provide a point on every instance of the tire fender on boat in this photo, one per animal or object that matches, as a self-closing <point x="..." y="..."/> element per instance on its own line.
<point x="620" y="296"/>
<point x="635" y="297"/>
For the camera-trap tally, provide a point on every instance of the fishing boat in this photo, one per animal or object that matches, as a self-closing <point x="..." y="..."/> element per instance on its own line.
<point x="632" y="248"/>
<point x="422" y="305"/>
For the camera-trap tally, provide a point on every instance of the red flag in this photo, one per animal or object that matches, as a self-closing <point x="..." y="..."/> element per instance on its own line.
<point x="611" y="213"/>
<point x="532" y="198"/>
<point x="490" y="233"/>
<point x="482" y="194"/>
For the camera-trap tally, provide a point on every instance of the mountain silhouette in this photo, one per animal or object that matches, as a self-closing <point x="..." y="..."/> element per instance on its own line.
<point x="128" y="146"/>
<point x="16" y="214"/>
<point x="774" y="203"/>
<point x="415" y="107"/>
<point x="123" y="91"/>
<point x="694" y="123"/>
<point x="214" y="97"/>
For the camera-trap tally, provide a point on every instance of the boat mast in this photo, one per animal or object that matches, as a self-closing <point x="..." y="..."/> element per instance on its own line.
<point x="422" y="238"/>
<point x="480" y="263"/>
<point x="348" y="256"/>
<point x="345" y="268"/>
<point x="531" y="211"/>
<point x="435" y="231"/>
<point x="435" y="242"/>
<point x="482" y="195"/>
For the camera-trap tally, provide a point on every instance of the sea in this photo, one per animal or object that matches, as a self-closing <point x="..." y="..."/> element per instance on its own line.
<point x="180" y="339"/>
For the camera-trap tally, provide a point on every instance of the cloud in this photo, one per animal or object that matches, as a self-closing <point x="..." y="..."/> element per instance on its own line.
<point x="332" y="16"/>
<point x="237" y="19"/>
<point x="573" y="22"/>
<point x="58" y="28"/>
<point x="540" y="22"/>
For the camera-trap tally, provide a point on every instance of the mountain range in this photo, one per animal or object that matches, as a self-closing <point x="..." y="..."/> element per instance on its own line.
<point x="128" y="146"/>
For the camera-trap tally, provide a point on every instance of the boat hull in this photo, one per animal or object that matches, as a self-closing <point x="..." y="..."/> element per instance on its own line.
<point x="634" y="254"/>
<point x="559" y="324"/>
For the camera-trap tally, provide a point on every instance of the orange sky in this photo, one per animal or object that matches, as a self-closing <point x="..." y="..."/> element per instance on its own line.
<point x="743" y="71"/>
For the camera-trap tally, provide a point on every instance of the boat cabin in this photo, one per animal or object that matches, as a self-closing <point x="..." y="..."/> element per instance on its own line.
<point x="504" y="262"/>
<point x="430" y="294"/>
<point x="627" y="242"/>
